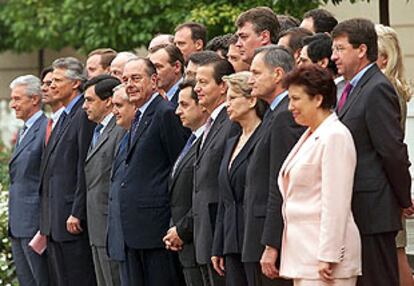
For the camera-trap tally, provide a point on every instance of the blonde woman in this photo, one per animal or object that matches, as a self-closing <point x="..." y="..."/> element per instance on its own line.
<point x="391" y="63"/>
<point x="247" y="111"/>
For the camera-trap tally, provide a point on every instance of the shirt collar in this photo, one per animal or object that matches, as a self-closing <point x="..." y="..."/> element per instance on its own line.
<point x="106" y="120"/>
<point x="199" y="131"/>
<point x="55" y="115"/>
<point x="170" y="93"/>
<point x="216" y="111"/>
<point x="354" y="81"/>
<point x="70" y="106"/>
<point x="146" y="104"/>
<point x="278" y="99"/>
<point x="29" y="123"/>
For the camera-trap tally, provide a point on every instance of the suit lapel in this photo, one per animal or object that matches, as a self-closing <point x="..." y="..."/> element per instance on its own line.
<point x="191" y="153"/>
<point x="30" y="136"/>
<point x="353" y="96"/>
<point x="144" y="122"/>
<point x="102" y="139"/>
<point x="246" y="150"/>
<point x="213" y="132"/>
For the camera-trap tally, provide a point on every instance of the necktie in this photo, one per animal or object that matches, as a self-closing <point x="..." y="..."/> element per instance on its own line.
<point x="48" y="130"/>
<point x="96" y="134"/>
<point x="21" y="134"/>
<point x="184" y="152"/>
<point x="344" y="96"/>
<point x="134" y="127"/>
<point x="209" y="123"/>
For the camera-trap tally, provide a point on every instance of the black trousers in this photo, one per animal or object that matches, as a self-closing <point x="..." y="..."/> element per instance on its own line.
<point x="70" y="263"/>
<point x="379" y="260"/>
<point x="210" y="276"/>
<point x="153" y="267"/>
<point x="255" y="277"/>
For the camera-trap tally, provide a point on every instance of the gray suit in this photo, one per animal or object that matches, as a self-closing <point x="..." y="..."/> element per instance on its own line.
<point x="24" y="204"/>
<point x="98" y="165"/>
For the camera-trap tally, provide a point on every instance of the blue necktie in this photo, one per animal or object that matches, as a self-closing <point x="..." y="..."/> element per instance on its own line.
<point x="134" y="127"/>
<point x="96" y="134"/>
<point x="184" y="152"/>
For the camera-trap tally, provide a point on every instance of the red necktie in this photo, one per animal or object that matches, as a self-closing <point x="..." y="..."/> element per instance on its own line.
<point x="48" y="130"/>
<point x="344" y="96"/>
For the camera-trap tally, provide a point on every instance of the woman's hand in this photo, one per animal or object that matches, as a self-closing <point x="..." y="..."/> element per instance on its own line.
<point x="218" y="264"/>
<point x="325" y="271"/>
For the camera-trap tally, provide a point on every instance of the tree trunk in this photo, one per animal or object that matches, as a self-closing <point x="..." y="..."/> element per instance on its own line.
<point x="41" y="60"/>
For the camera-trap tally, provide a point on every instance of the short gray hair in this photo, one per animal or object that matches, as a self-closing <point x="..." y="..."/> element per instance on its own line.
<point x="276" y="56"/>
<point x="126" y="56"/>
<point x="31" y="82"/>
<point x="119" y="87"/>
<point x="74" y="68"/>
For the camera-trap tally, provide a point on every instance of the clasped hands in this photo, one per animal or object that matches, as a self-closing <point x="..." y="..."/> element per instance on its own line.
<point x="172" y="240"/>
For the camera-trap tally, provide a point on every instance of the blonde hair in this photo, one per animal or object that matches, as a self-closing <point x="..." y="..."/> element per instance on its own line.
<point x="238" y="82"/>
<point x="389" y="47"/>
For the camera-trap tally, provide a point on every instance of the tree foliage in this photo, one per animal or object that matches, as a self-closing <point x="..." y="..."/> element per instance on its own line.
<point x="27" y="25"/>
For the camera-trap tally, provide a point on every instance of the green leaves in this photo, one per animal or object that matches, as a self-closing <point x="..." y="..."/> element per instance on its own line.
<point x="27" y="25"/>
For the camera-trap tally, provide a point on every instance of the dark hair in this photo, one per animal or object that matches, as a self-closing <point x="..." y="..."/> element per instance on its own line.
<point x="323" y="21"/>
<point x="262" y="18"/>
<point x="359" y="31"/>
<point x="107" y="56"/>
<point x="104" y="85"/>
<point x="286" y="22"/>
<point x="199" y="58"/>
<point x="296" y="36"/>
<point x="220" y="68"/>
<point x="314" y="80"/>
<point x="233" y="39"/>
<point x="220" y="43"/>
<point x="174" y="54"/>
<point x="319" y="48"/>
<point x="276" y="56"/>
<point x="189" y="83"/>
<point x="45" y="71"/>
<point x="198" y="31"/>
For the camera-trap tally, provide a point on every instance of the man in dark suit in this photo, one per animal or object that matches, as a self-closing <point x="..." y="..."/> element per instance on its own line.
<point x="180" y="235"/>
<point x="156" y="138"/>
<point x="278" y="135"/>
<point x="98" y="107"/>
<point x="24" y="199"/>
<point x="62" y="189"/>
<point x="169" y="62"/>
<point x="211" y="91"/>
<point x="369" y="108"/>
<point x="124" y="112"/>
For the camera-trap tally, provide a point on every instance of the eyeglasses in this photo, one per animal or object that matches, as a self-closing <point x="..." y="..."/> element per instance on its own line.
<point x="338" y="49"/>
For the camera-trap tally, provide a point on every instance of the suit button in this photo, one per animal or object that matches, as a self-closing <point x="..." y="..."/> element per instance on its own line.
<point x="123" y="185"/>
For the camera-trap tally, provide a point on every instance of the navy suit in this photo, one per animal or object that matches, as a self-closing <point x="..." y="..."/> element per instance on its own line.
<point x="144" y="198"/>
<point x="63" y="191"/>
<point x="24" y="204"/>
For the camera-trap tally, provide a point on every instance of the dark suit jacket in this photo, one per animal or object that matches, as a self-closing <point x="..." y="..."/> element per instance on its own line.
<point x="144" y="198"/>
<point x="24" y="166"/>
<point x="98" y="166"/>
<point x="174" y="99"/>
<point x="63" y="189"/>
<point x="279" y="133"/>
<point x="115" y="237"/>
<point x="205" y="196"/>
<point x="181" y="190"/>
<point x="228" y="237"/>
<point x="382" y="180"/>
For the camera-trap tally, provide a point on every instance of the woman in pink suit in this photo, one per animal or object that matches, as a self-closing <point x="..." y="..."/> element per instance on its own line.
<point x="321" y="243"/>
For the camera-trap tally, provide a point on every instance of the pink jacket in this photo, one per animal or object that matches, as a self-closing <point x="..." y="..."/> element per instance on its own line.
<point x="316" y="183"/>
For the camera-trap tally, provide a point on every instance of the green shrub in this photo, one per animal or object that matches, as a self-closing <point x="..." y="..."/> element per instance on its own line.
<point x="7" y="269"/>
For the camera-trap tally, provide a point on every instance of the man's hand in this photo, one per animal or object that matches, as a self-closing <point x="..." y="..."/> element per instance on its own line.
<point x="325" y="271"/>
<point x="73" y="225"/>
<point x="218" y="264"/>
<point x="409" y="211"/>
<point x="268" y="262"/>
<point x="172" y="241"/>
